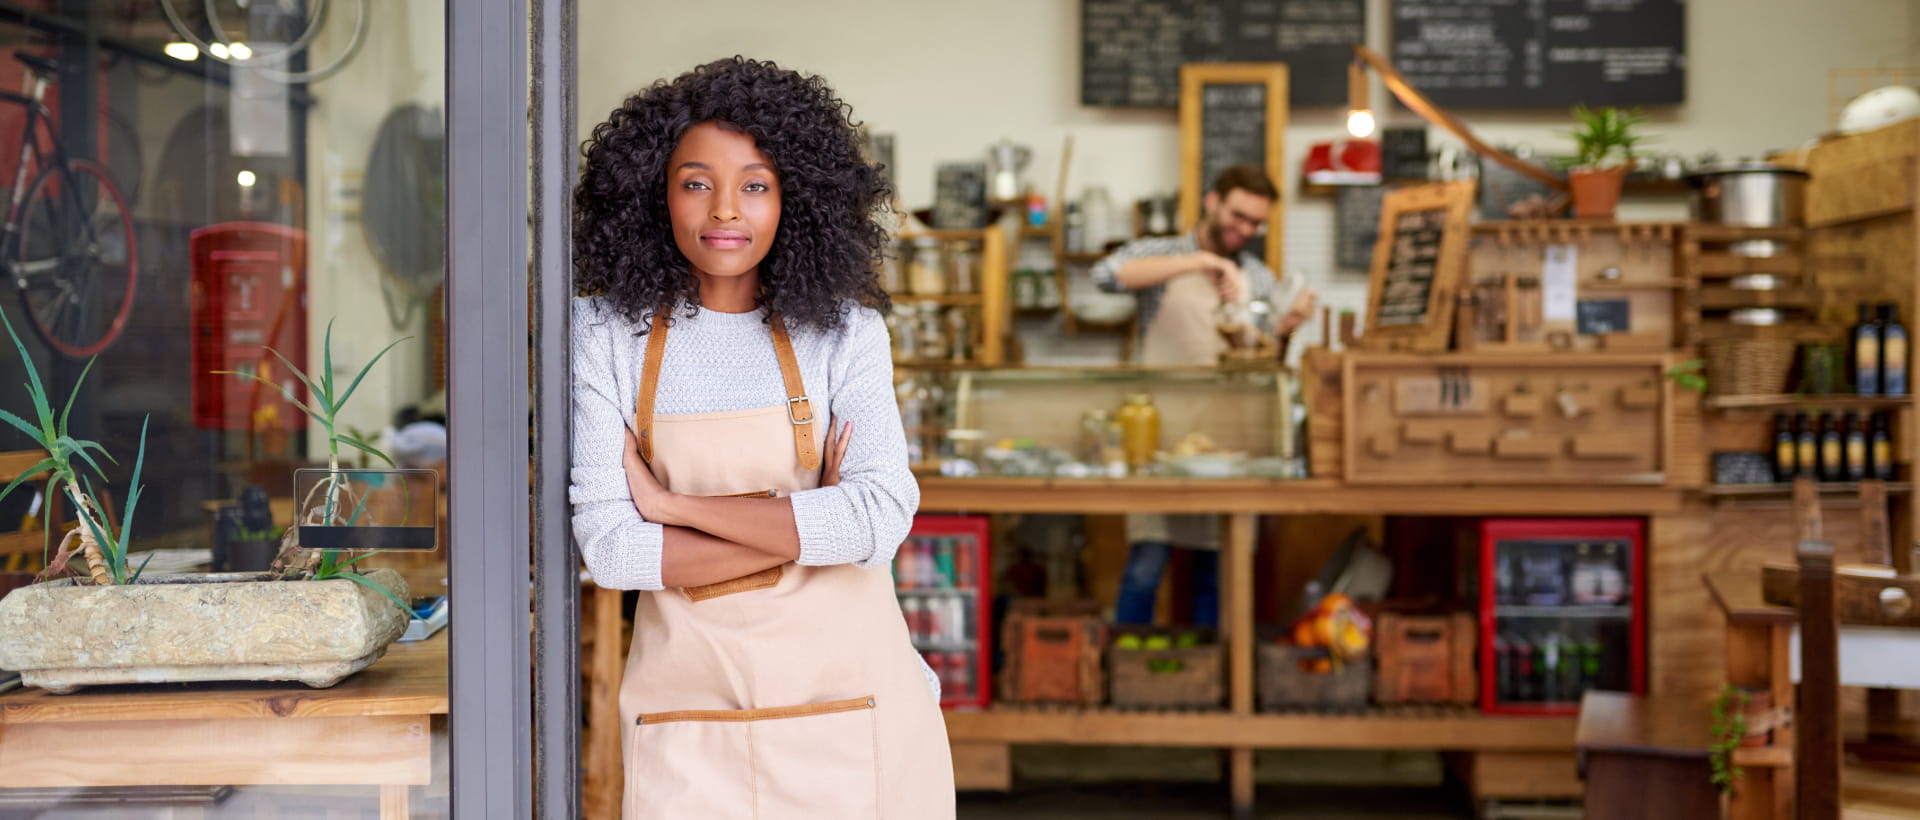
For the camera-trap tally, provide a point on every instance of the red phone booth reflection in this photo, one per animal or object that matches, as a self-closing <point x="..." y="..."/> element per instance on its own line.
<point x="249" y="293"/>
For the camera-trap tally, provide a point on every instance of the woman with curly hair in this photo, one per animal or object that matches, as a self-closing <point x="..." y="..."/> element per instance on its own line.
<point x="729" y="322"/>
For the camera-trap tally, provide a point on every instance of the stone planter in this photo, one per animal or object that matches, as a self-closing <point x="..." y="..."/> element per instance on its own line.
<point x="175" y="628"/>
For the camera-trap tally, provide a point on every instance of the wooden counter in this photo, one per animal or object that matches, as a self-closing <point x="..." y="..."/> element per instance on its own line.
<point x="372" y="728"/>
<point x="1277" y="497"/>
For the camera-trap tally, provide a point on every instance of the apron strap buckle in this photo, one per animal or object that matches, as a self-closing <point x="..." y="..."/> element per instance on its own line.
<point x="808" y="410"/>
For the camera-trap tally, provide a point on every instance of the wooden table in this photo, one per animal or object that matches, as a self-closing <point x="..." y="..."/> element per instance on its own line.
<point x="1645" y="758"/>
<point x="371" y="729"/>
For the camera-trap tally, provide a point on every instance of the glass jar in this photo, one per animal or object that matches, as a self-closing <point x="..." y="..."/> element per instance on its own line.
<point x="890" y="279"/>
<point x="906" y="344"/>
<point x="932" y="336"/>
<point x="963" y="265"/>
<point x="1140" y="428"/>
<point x="924" y="274"/>
<point x="959" y="335"/>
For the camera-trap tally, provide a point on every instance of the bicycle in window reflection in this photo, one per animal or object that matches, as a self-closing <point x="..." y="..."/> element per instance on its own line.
<point x="67" y="242"/>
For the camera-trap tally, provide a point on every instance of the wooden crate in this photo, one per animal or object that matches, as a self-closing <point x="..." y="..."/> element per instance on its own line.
<point x="1053" y="658"/>
<point x="1424" y="659"/>
<point x="1284" y="685"/>
<point x="1863" y="175"/>
<point x="1176" y="677"/>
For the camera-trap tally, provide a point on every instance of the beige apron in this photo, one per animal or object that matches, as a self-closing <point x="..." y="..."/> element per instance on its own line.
<point x="1183" y="333"/>
<point x="790" y="693"/>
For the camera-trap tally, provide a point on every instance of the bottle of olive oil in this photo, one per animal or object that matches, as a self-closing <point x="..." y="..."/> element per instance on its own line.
<point x="1880" y="448"/>
<point x="1856" y="446"/>
<point x="1783" y="448"/>
<point x="1806" y="447"/>
<point x="1866" y="353"/>
<point x="1833" y="459"/>
<point x="1893" y="352"/>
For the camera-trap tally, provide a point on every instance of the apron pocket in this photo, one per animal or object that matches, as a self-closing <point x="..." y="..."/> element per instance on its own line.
<point x="814" y="761"/>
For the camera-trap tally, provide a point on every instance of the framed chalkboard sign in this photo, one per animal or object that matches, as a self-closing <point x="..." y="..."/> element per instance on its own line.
<point x="1356" y="224"/>
<point x="1417" y="264"/>
<point x="1232" y="113"/>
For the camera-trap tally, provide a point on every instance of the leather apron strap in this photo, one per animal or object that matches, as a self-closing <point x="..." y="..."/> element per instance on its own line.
<point x="799" y="405"/>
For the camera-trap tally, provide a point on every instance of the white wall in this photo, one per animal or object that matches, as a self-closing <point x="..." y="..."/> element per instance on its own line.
<point x="950" y="78"/>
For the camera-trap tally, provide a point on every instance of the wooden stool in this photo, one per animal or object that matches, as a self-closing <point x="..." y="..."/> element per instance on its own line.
<point x="1645" y="758"/>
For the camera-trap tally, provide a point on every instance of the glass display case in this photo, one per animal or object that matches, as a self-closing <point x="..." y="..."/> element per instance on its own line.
<point x="1102" y="423"/>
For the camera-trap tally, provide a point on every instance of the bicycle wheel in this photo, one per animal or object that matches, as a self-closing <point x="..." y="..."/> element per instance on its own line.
<point x="74" y="262"/>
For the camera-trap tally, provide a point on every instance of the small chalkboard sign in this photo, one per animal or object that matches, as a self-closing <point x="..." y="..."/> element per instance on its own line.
<point x="960" y="196"/>
<point x="1417" y="263"/>
<point x="1356" y="224"/>
<point x="1232" y="113"/>
<point x="1597" y="317"/>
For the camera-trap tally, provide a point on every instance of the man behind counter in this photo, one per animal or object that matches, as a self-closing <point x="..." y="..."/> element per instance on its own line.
<point x="1179" y="284"/>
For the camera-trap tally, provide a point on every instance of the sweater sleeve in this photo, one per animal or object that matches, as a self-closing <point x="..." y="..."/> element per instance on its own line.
<point x="864" y="518"/>
<point x="621" y="550"/>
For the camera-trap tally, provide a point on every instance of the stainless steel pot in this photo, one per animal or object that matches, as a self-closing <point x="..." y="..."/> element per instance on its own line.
<point x="1749" y="194"/>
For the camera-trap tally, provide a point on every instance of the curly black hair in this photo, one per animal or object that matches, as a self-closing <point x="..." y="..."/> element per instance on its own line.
<point x="822" y="260"/>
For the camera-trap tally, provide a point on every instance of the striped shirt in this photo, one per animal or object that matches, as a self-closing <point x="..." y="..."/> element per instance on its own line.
<point x="1261" y="283"/>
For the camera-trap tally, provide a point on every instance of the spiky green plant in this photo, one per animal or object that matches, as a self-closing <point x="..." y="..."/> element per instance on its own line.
<point x="105" y="548"/>
<point x="1605" y="137"/>
<point x="324" y="408"/>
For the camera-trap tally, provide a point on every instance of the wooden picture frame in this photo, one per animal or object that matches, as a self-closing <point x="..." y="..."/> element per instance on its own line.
<point x="1195" y="181"/>
<point x="1397" y="318"/>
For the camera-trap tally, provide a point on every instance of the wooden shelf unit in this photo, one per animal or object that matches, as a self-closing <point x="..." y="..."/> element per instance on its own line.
<point x="991" y="315"/>
<point x="1788" y="400"/>
<point x="1443" y="728"/>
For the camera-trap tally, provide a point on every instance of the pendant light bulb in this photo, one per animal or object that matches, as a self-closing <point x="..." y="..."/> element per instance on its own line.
<point x="1360" y="123"/>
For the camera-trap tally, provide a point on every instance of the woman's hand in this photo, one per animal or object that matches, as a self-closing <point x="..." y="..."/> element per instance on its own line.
<point x="837" y="438"/>
<point x="654" y="502"/>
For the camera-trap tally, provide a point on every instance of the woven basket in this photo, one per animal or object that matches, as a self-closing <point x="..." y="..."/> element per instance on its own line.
<point x="1748" y="367"/>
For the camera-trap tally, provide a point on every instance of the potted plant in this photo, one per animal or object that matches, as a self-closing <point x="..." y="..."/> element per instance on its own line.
<point x="109" y="624"/>
<point x="1729" y="730"/>
<point x="1604" y="145"/>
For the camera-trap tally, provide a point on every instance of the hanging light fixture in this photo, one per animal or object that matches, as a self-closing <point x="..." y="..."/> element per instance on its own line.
<point x="1359" y="107"/>
<point x="1418" y="103"/>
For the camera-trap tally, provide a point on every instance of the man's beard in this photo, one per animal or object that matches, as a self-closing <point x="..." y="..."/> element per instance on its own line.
<point x="1218" y="238"/>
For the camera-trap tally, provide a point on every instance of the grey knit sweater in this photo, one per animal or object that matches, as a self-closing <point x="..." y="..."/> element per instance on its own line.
<point x="717" y="362"/>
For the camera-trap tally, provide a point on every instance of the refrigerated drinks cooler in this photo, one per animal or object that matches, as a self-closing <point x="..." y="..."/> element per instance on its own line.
<point x="941" y="575"/>
<point x="1562" y="611"/>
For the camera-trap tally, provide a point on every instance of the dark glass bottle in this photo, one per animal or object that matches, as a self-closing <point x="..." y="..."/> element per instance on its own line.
<point x="1783" y="448"/>
<point x="1880" y="448"/>
<point x="1833" y="459"/>
<point x="1866" y="353"/>
<point x="1806" y="447"/>
<point x="1856" y="446"/>
<point x="1893" y="352"/>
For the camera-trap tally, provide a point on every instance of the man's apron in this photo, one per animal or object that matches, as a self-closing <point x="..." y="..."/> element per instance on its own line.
<point x="790" y="693"/>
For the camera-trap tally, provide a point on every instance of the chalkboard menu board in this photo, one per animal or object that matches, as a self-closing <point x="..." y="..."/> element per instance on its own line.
<point x="1542" y="53"/>
<point x="1232" y="113"/>
<point x="1131" y="50"/>
<point x="1417" y="265"/>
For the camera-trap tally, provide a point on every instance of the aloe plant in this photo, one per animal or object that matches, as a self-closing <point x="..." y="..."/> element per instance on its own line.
<point x="323" y="406"/>
<point x="104" y="548"/>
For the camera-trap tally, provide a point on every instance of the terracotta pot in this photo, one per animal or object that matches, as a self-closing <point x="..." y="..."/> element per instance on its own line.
<point x="1596" y="194"/>
<point x="1759" y="722"/>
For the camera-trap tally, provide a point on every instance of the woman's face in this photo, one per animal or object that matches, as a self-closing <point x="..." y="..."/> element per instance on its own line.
<point x="724" y="199"/>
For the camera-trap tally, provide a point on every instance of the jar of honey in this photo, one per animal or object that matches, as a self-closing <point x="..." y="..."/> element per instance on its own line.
<point x="1140" y="430"/>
